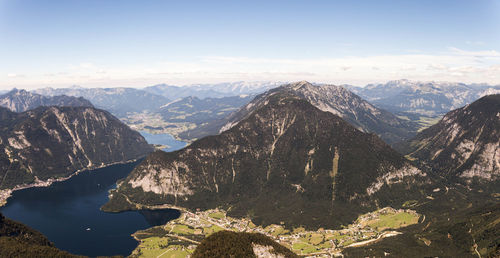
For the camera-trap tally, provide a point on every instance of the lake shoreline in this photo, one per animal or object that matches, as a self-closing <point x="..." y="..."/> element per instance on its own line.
<point x="5" y="194"/>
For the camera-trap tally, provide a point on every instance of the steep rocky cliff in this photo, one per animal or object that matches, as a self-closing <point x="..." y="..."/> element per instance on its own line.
<point x="53" y="142"/>
<point x="465" y="144"/>
<point x="286" y="162"/>
<point x="21" y="100"/>
<point x="330" y="98"/>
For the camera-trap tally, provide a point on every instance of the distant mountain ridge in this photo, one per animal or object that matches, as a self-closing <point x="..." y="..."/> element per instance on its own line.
<point x="118" y="101"/>
<point x="198" y="111"/>
<point x="428" y="98"/>
<point x="21" y="100"/>
<point x="49" y="143"/>
<point x="285" y="162"/>
<point x="216" y="90"/>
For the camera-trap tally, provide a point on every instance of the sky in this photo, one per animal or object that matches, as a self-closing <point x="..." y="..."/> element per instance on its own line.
<point x="103" y="43"/>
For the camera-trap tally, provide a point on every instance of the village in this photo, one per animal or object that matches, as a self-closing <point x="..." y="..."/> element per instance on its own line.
<point x="181" y="236"/>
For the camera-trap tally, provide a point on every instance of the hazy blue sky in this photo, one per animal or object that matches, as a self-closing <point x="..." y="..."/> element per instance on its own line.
<point x="138" y="43"/>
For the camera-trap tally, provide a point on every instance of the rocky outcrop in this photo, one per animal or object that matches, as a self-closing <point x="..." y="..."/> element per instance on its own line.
<point x="49" y="143"/>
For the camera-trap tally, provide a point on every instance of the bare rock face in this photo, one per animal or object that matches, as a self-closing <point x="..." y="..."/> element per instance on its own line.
<point x="465" y="144"/>
<point x="287" y="162"/>
<point x="48" y="143"/>
<point x="21" y="100"/>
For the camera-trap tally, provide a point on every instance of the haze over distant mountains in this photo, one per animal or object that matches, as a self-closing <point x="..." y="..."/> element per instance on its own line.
<point x="193" y="111"/>
<point x="426" y="98"/>
<point x="21" y="100"/>
<point x="211" y="90"/>
<point x="118" y="101"/>
<point x="198" y="111"/>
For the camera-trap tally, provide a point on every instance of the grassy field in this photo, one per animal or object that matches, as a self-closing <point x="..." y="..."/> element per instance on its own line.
<point x="303" y="248"/>
<point x="426" y="122"/>
<point x="217" y="215"/>
<point x="158" y="247"/>
<point x="393" y="221"/>
<point x="210" y="230"/>
<point x="182" y="230"/>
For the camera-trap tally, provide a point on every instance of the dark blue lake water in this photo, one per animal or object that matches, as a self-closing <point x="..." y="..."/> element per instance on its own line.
<point x="164" y="139"/>
<point x="64" y="211"/>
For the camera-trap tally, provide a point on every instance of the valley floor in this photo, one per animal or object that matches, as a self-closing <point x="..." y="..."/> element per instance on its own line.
<point x="179" y="237"/>
<point x="155" y="124"/>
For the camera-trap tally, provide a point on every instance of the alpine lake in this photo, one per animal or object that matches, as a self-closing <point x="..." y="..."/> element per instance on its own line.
<point x="68" y="212"/>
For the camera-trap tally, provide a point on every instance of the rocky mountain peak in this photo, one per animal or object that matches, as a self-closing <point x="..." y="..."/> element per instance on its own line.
<point x="341" y="102"/>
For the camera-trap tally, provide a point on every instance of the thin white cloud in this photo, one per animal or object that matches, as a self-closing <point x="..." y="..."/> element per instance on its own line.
<point x="482" y="53"/>
<point x="453" y="65"/>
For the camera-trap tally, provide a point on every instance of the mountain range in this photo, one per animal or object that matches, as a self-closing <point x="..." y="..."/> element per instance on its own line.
<point x="289" y="158"/>
<point x="191" y="107"/>
<point x="298" y="155"/>
<point x="118" y="101"/>
<point x="329" y="98"/>
<point x="21" y="100"/>
<point x="287" y="161"/>
<point x="200" y="111"/>
<point x="425" y="98"/>
<point x="217" y="90"/>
